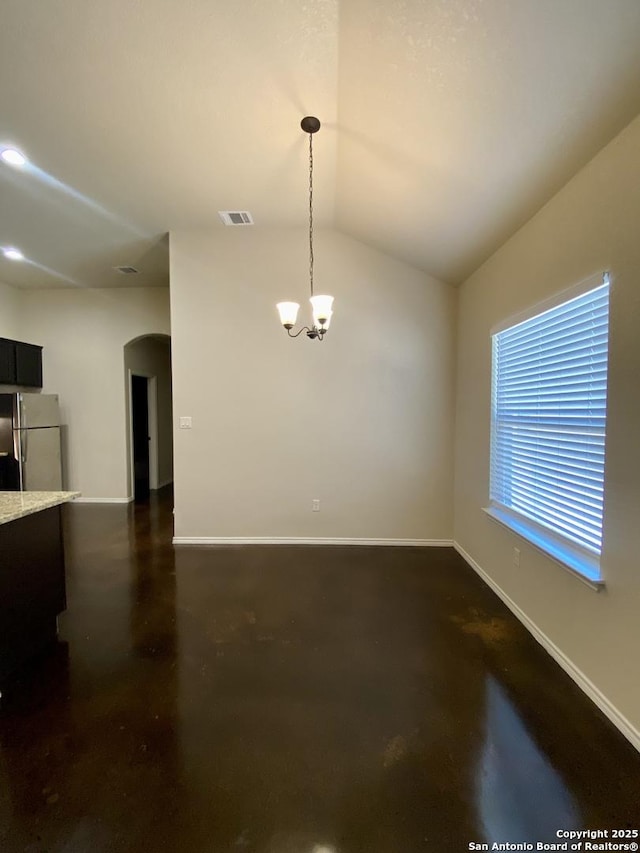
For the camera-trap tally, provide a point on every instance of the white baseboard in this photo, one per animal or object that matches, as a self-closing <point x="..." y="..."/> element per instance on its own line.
<point x="288" y="540"/>
<point x="586" y="685"/>
<point x="103" y="500"/>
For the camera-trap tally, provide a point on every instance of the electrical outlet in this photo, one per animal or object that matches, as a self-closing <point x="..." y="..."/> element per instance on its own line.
<point x="516" y="556"/>
<point x="185" y="423"/>
<point x="315" y="505"/>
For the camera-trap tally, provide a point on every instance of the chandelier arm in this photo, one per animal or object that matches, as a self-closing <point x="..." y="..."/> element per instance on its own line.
<point x="312" y="332"/>
<point x="303" y="329"/>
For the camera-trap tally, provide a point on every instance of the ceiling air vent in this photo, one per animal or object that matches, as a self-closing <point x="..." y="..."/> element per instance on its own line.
<point x="127" y="270"/>
<point x="236" y="217"/>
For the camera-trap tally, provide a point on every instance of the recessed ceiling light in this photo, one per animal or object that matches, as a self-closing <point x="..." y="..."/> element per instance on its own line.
<point x="13" y="254"/>
<point x="13" y="157"/>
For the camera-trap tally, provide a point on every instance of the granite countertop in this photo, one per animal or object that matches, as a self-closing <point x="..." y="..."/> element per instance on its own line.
<point x="18" y="504"/>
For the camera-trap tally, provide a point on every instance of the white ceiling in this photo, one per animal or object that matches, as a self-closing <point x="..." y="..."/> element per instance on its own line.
<point x="446" y="123"/>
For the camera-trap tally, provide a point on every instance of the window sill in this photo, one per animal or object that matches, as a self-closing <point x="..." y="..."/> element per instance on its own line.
<point x="581" y="565"/>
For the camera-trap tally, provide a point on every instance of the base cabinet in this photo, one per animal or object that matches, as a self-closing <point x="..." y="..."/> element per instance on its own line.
<point x="32" y="586"/>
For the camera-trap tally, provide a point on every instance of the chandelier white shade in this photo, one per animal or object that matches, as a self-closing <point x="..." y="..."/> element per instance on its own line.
<point x="321" y="308"/>
<point x="288" y="313"/>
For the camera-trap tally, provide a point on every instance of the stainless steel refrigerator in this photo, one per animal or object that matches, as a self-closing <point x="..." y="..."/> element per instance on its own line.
<point x="30" y="443"/>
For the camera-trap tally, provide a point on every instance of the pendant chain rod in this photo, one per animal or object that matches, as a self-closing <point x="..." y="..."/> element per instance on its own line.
<point x="311" y="211"/>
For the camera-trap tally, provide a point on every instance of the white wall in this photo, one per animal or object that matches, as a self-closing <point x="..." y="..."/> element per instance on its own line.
<point x="362" y="421"/>
<point x="590" y="226"/>
<point x="151" y="357"/>
<point x="83" y="333"/>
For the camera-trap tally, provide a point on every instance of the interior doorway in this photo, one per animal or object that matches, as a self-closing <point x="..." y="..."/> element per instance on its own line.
<point x="140" y="436"/>
<point x="149" y="415"/>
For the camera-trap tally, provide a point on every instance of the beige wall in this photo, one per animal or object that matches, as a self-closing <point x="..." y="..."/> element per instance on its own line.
<point x="362" y="422"/>
<point x="11" y="302"/>
<point x="83" y="333"/>
<point x="151" y="357"/>
<point x="590" y="226"/>
<point x="10" y="312"/>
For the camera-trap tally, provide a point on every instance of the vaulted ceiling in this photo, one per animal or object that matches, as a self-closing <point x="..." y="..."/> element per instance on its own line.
<point x="445" y="123"/>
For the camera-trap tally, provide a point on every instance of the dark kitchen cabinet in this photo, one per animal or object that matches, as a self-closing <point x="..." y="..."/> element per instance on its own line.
<point x="7" y="362"/>
<point x="32" y="586"/>
<point x="20" y="363"/>
<point x="28" y="365"/>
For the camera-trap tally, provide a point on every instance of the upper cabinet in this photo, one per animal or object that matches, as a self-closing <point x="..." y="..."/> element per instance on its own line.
<point x="7" y="362"/>
<point x="20" y="364"/>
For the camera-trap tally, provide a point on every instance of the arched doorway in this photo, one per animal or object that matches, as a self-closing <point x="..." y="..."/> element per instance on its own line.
<point x="147" y="364"/>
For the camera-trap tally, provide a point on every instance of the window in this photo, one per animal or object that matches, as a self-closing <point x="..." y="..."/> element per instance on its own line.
<point x="549" y="399"/>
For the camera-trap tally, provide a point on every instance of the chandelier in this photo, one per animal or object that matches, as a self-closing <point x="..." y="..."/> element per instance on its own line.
<point x="320" y="305"/>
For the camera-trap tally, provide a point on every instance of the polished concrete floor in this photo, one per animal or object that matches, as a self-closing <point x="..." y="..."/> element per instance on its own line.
<point x="293" y="700"/>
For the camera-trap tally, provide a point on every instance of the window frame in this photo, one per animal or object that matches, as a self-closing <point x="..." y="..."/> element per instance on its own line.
<point x="581" y="562"/>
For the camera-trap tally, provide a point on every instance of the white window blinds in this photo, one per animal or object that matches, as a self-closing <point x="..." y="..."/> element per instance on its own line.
<point x="549" y="416"/>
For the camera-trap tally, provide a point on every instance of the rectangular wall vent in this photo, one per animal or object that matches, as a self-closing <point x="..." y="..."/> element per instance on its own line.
<point x="127" y="270"/>
<point x="236" y="217"/>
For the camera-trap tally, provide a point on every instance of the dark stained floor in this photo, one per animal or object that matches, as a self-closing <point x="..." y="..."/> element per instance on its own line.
<point x="293" y="700"/>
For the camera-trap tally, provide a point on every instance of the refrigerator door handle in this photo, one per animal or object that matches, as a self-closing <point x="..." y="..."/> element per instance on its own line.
<point x="20" y="454"/>
<point x="19" y="412"/>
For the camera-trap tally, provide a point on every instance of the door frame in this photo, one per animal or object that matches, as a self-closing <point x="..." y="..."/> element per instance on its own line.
<point x="152" y="406"/>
